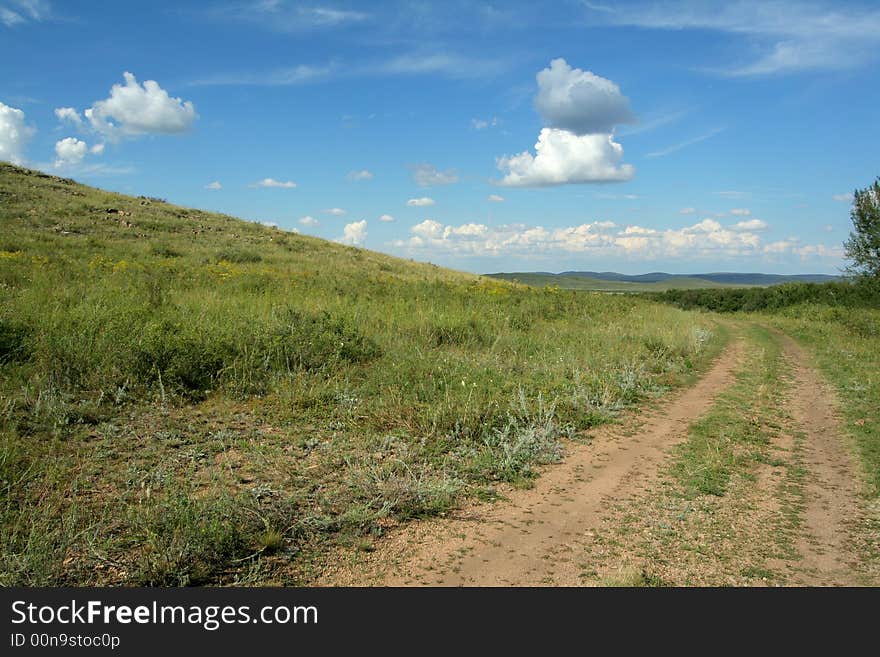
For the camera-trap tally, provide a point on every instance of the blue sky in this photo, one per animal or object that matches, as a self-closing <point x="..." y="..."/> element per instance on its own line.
<point x="640" y="136"/>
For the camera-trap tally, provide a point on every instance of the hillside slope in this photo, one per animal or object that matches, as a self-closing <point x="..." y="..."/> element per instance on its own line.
<point x="190" y="398"/>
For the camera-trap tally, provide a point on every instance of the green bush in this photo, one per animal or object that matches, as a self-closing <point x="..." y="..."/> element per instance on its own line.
<point x="860" y="294"/>
<point x="13" y="342"/>
<point x="238" y="256"/>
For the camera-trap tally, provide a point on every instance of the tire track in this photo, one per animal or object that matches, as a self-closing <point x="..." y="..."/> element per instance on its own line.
<point x="532" y="538"/>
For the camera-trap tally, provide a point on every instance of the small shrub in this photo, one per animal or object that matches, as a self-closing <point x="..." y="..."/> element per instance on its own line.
<point x="165" y="251"/>
<point x="238" y="256"/>
<point x="13" y="342"/>
<point x="459" y="334"/>
<point x="313" y="342"/>
<point x="175" y="357"/>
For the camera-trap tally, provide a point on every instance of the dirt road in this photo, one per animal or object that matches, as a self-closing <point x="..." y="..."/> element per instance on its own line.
<point x="613" y="505"/>
<point x="531" y="538"/>
<point x="832" y="504"/>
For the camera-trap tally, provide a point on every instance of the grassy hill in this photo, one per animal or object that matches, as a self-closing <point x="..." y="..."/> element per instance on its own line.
<point x="655" y="281"/>
<point x="188" y="398"/>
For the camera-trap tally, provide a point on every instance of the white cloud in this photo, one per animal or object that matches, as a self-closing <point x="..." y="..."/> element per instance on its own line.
<point x="134" y="109"/>
<point x="828" y="228"/>
<point x="420" y="202"/>
<point x="336" y="212"/>
<point x="308" y="221"/>
<point x="684" y="144"/>
<point x="582" y="110"/>
<point x="445" y="64"/>
<point x="741" y="212"/>
<point x="70" y="115"/>
<point x="282" y="77"/>
<point x="271" y="182"/>
<point x="843" y="198"/>
<point x="325" y="16"/>
<point x="69" y="151"/>
<point x="363" y="174"/>
<point x="750" y="224"/>
<point x="707" y="240"/>
<point x="10" y="18"/>
<point x="386" y="218"/>
<point x="687" y="211"/>
<point x="25" y="10"/>
<point x="495" y="198"/>
<point x="97" y="149"/>
<point x="787" y="37"/>
<point x="427" y="175"/>
<point x="354" y="233"/>
<point x="580" y="101"/>
<point x="482" y="124"/>
<point x="214" y="186"/>
<point x="626" y="197"/>
<point x="420" y="63"/>
<point x="563" y="157"/>
<point x="14" y="134"/>
<point x="279" y="16"/>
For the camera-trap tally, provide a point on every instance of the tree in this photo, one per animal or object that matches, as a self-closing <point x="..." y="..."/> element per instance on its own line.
<point x="863" y="245"/>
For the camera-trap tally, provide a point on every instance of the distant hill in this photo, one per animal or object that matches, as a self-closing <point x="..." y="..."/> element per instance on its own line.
<point x="657" y="281"/>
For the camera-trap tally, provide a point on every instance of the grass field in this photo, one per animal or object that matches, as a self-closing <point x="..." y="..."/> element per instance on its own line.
<point x="189" y="398"/>
<point x="593" y="284"/>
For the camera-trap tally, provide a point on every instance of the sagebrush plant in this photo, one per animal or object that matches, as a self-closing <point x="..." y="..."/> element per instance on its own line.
<point x="172" y="379"/>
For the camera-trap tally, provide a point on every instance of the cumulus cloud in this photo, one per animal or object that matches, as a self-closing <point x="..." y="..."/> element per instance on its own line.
<point x="562" y="157"/>
<point x="69" y="115"/>
<point x="363" y="174"/>
<point x="495" y="198"/>
<point x="214" y="186"/>
<point x="14" y="134"/>
<point x="336" y="212"/>
<point x="308" y="221"/>
<point x="386" y="218"/>
<point x="271" y="182"/>
<point x="134" y="109"/>
<point x="580" y="101"/>
<point x="427" y="175"/>
<point x="420" y="202"/>
<point x="687" y="211"/>
<point x="69" y="151"/>
<point x="581" y="109"/>
<point x="707" y="239"/>
<point x="97" y="149"/>
<point x="843" y="198"/>
<point x="750" y="224"/>
<point x="741" y="212"/>
<point x="354" y="233"/>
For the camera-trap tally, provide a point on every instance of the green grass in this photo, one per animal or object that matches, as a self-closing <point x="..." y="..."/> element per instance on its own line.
<point x="188" y="398"/>
<point x="597" y="285"/>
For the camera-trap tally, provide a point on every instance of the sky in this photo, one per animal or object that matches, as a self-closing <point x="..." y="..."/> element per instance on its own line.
<point x="675" y="136"/>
